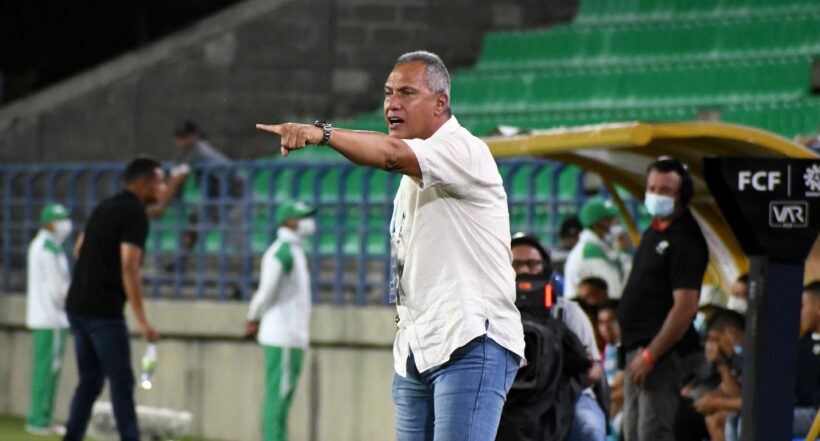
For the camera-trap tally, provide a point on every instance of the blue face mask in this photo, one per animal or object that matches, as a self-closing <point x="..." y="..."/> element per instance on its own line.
<point x="738" y="349"/>
<point x="659" y="205"/>
<point x="700" y="323"/>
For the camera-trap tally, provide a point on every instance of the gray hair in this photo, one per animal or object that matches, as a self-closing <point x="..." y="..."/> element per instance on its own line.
<point x="436" y="77"/>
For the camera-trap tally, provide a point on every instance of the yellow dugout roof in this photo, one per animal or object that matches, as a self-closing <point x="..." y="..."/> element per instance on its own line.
<point x="619" y="153"/>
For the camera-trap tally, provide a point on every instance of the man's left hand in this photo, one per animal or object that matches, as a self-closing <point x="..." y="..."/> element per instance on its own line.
<point x="639" y="369"/>
<point x="294" y="136"/>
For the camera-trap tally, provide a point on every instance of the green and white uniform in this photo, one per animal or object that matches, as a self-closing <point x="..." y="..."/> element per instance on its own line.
<point x="282" y="304"/>
<point x="592" y="257"/>
<point x="48" y="280"/>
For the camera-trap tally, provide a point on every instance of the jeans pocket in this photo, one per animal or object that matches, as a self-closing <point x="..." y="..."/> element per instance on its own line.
<point x="511" y="369"/>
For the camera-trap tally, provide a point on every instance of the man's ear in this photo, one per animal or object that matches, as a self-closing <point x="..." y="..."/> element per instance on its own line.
<point x="442" y="101"/>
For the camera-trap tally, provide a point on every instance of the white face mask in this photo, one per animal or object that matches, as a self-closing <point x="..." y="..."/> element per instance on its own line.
<point x="62" y="228"/>
<point x="306" y="227"/>
<point x="612" y="235"/>
<point x="737" y="304"/>
<point x="659" y="205"/>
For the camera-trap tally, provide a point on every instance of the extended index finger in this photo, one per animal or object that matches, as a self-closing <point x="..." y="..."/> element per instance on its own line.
<point x="271" y="128"/>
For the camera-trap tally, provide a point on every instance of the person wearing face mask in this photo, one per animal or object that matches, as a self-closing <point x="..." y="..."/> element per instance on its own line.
<point x="48" y="281"/>
<point x="279" y="313"/>
<point x="594" y="254"/>
<point x="589" y="421"/>
<point x="659" y="303"/>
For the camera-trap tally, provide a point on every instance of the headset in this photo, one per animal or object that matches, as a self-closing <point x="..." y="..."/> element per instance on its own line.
<point x="666" y="164"/>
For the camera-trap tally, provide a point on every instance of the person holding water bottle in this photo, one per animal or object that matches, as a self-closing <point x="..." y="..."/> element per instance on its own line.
<point x="107" y="275"/>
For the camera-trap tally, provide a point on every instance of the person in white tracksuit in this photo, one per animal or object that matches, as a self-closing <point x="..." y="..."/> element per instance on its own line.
<point x="594" y="254"/>
<point x="48" y="280"/>
<point x="279" y="313"/>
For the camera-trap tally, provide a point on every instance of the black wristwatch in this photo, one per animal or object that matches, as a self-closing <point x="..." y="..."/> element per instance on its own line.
<point x="327" y="128"/>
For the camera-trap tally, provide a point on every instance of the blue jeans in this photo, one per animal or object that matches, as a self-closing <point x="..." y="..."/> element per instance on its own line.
<point x="589" y="422"/>
<point x="460" y="400"/>
<point x="103" y="350"/>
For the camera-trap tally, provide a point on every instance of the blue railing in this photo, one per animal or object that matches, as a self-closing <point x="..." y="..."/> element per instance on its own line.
<point x="230" y="209"/>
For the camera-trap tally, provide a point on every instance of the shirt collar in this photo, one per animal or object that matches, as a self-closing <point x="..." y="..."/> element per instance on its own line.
<point x="451" y="126"/>
<point x="287" y="235"/>
<point x="588" y="235"/>
<point x="656" y="225"/>
<point x="48" y="234"/>
<point x="130" y="194"/>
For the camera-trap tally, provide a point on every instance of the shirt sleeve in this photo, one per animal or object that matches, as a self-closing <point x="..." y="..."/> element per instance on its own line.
<point x="135" y="228"/>
<point x="55" y="276"/>
<point x="688" y="262"/>
<point x="273" y="268"/>
<point x="443" y="160"/>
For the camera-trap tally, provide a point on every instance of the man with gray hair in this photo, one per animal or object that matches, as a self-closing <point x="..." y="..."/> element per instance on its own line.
<point x="460" y="339"/>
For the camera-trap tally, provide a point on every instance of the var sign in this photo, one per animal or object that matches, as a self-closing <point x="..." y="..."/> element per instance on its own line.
<point x="788" y="214"/>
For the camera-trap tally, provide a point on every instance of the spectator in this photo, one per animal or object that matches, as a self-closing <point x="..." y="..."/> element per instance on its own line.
<point x="610" y="332"/>
<point x="460" y="337"/>
<point x="589" y="422"/>
<point x="594" y="255"/>
<point x="217" y="206"/>
<point x="280" y="313"/>
<point x="48" y="280"/>
<point x="568" y="235"/>
<point x="106" y="275"/>
<point x="659" y="304"/>
<point x="807" y="392"/>
<point x="740" y="294"/>
<point x="808" y="367"/>
<point x="592" y="293"/>
<point x="725" y="350"/>
<point x="713" y="393"/>
<point x="712" y="300"/>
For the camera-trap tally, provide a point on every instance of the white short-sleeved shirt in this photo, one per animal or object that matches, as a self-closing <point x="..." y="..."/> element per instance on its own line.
<point x="450" y="233"/>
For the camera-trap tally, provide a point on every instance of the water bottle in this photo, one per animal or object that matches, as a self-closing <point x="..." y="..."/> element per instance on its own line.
<point x="149" y="367"/>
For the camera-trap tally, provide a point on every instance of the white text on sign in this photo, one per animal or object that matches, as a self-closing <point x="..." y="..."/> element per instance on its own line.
<point x="759" y="180"/>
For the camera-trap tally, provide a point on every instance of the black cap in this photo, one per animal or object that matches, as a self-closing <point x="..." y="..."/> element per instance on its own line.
<point x="185" y="128"/>
<point x="571" y="227"/>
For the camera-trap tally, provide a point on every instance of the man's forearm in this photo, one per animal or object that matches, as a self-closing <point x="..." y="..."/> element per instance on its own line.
<point x="132" y="284"/>
<point x="174" y="185"/>
<point x="371" y="149"/>
<point x="673" y="329"/>
<point x="728" y="384"/>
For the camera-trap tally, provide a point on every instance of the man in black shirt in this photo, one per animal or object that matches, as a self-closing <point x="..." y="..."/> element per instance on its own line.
<point x="107" y="275"/>
<point x="659" y="303"/>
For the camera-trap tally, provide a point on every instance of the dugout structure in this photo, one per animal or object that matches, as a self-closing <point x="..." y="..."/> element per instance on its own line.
<point x="619" y="153"/>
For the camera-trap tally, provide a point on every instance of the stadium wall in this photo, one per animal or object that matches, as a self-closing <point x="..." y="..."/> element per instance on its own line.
<point x="343" y="393"/>
<point x="258" y="61"/>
